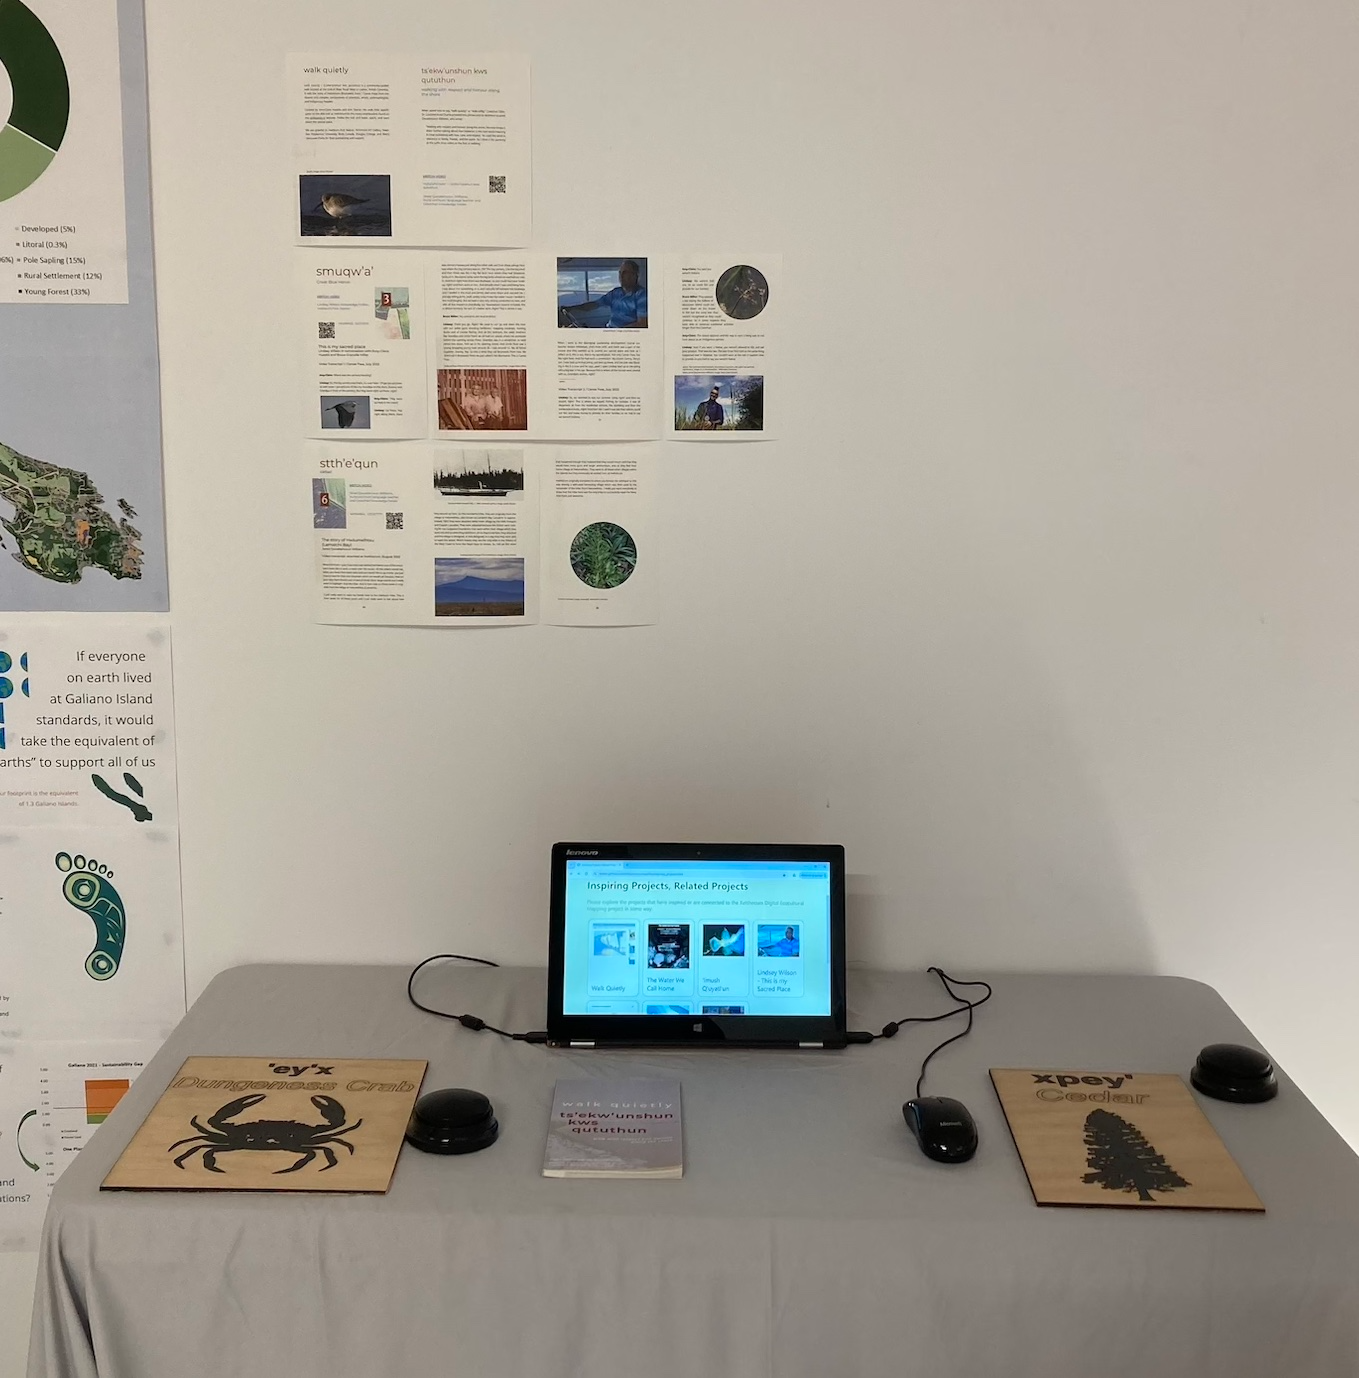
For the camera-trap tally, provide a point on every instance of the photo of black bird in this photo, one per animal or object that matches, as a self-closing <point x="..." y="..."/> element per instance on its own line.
<point x="344" y="413"/>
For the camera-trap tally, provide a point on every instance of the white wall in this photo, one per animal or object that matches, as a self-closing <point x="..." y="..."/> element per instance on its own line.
<point x="1046" y="607"/>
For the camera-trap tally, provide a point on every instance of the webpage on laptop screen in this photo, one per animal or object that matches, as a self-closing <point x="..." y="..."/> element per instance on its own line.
<point x="697" y="937"/>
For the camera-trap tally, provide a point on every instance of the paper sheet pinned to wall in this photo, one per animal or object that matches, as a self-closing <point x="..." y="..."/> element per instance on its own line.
<point x="365" y="330"/>
<point x="91" y="949"/>
<point x="545" y="347"/>
<point x="722" y="321"/>
<point x="600" y="555"/>
<point x="424" y="535"/>
<point x="406" y="149"/>
<point x="87" y="724"/>
<point x="437" y="535"/>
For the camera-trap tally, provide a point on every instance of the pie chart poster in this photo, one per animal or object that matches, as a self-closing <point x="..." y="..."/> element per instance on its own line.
<point x="79" y="374"/>
<point x="63" y="231"/>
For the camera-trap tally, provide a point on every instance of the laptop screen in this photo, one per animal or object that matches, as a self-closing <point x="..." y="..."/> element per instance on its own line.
<point x="716" y="937"/>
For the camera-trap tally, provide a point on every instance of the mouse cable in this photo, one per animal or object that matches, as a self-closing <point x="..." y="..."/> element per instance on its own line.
<point x="892" y="1027"/>
<point x="468" y="1021"/>
<point x="969" y="1005"/>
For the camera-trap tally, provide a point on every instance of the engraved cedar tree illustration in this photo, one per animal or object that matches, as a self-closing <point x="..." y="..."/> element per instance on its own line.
<point x="1120" y="1158"/>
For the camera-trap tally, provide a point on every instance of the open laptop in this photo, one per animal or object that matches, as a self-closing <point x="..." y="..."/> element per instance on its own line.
<point x="673" y="943"/>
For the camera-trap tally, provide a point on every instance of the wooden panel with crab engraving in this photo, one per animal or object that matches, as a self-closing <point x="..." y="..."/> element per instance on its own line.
<point x="273" y="1124"/>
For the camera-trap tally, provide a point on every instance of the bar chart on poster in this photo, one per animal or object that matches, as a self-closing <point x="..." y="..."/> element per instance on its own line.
<point x="78" y="1089"/>
<point x="53" y="1096"/>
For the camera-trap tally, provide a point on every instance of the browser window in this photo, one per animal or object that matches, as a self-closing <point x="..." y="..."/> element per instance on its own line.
<point x="697" y="938"/>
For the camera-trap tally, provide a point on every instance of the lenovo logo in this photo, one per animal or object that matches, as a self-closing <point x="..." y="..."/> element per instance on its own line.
<point x="570" y="852"/>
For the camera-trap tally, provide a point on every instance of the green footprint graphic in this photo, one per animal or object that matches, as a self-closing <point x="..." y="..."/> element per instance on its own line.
<point x="89" y="888"/>
<point x="139" y="811"/>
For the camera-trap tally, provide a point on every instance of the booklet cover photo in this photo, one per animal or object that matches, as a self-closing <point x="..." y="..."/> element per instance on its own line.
<point x="632" y="1127"/>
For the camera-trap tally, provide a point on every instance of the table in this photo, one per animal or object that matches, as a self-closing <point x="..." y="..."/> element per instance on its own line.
<point x="808" y="1237"/>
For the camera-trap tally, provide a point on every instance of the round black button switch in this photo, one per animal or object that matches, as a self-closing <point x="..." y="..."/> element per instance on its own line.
<point x="1229" y="1071"/>
<point x="453" y="1120"/>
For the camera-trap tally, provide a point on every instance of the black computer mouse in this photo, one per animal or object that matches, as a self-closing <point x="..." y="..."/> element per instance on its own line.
<point x="943" y="1127"/>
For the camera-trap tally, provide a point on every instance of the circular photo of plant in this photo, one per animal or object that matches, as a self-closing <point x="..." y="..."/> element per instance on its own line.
<point x="742" y="292"/>
<point x="603" y="555"/>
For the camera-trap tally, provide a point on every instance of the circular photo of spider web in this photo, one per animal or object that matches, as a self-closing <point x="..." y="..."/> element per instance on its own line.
<point x="603" y="555"/>
<point x="742" y="292"/>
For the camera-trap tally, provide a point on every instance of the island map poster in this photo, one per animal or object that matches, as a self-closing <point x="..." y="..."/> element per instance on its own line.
<point x="81" y="513"/>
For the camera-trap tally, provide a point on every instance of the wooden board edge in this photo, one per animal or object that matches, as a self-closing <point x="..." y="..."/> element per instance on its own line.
<point x="1010" y="1129"/>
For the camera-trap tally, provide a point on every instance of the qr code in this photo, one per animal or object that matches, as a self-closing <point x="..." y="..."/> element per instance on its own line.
<point x="497" y="183"/>
<point x="325" y="329"/>
<point x="396" y="521"/>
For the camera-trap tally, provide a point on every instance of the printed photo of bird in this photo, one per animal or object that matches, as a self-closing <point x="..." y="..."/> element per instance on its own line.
<point x="338" y="204"/>
<point x="341" y="203"/>
<point x="344" y="413"/>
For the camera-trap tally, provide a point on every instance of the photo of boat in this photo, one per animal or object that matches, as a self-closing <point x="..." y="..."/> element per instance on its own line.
<point x="481" y="474"/>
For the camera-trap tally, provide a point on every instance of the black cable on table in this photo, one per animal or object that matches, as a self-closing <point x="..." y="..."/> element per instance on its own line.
<point x="468" y="1021"/>
<point x="949" y="982"/>
<point x="894" y="1026"/>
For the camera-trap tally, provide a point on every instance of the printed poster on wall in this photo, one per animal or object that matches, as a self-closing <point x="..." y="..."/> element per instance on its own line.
<point x="53" y="1096"/>
<point x="81" y="514"/>
<point x="63" y="235"/>
<point x="87" y="727"/>
<point x="91" y="949"/>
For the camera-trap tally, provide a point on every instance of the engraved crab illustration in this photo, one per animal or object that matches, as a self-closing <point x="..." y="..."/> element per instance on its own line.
<point x="222" y="1134"/>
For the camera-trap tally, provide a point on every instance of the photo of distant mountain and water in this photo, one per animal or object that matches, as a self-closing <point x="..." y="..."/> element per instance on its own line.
<point x="479" y="587"/>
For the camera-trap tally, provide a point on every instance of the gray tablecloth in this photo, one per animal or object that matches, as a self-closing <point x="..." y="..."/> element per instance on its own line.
<point x="808" y="1237"/>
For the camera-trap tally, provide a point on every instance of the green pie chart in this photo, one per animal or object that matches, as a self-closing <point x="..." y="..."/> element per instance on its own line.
<point x="42" y="98"/>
